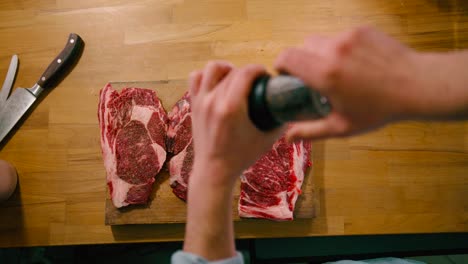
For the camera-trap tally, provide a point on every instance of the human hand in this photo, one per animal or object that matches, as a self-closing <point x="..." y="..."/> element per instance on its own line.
<point x="224" y="137"/>
<point x="366" y="75"/>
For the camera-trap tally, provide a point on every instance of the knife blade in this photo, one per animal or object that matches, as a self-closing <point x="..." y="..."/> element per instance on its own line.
<point x="23" y="98"/>
<point x="9" y="79"/>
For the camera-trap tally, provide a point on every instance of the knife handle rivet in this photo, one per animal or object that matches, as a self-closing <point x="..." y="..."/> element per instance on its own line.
<point x="72" y="41"/>
<point x="43" y="78"/>
<point x="59" y="61"/>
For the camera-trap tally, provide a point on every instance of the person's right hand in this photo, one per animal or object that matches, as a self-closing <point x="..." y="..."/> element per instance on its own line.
<point x="367" y="76"/>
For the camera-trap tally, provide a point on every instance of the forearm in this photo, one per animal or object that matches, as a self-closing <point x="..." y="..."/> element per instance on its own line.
<point x="209" y="230"/>
<point x="441" y="90"/>
<point x="220" y="155"/>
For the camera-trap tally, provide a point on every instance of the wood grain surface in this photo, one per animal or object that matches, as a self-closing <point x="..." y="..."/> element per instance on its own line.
<point x="409" y="177"/>
<point x="163" y="206"/>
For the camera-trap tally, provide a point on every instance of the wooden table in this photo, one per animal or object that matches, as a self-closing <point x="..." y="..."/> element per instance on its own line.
<point x="407" y="178"/>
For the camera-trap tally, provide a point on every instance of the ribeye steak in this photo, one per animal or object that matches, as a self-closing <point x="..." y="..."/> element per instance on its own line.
<point x="270" y="187"/>
<point x="179" y="144"/>
<point x="133" y="141"/>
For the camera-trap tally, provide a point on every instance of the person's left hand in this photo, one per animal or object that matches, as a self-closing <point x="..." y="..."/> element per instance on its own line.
<point x="224" y="137"/>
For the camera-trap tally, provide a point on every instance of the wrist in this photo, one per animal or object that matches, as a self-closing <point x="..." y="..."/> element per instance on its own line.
<point x="216" y="174"/>
<point x="209" y="228"/>
<point x="421" y="92"/>
<point x="435" y="91"/>
<point x="409" y="102"/>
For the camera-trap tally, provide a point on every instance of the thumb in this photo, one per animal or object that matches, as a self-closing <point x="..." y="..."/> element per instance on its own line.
<point x="330" y="126"/>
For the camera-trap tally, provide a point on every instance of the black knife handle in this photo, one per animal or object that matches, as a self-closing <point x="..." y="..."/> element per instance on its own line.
<point x="63" y="63"/>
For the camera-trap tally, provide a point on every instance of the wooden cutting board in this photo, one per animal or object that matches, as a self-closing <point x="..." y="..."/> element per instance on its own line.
<point x="164" y="206"/>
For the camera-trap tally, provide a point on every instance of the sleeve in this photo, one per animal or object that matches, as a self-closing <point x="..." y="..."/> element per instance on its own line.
<point x="182" y="257"/>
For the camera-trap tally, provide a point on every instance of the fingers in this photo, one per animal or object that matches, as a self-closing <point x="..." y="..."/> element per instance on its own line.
<point x="318" y="45"/>
<point x="331" y="126"/>
<point x="214" y="72"/>
<point x="194" y="82"/>
<point x="222" y="89"/>
<point x="305" y="65"/>
<point x="242" y="80"/>
<point x="313" y="39"/>
<point x="308" y="130"/>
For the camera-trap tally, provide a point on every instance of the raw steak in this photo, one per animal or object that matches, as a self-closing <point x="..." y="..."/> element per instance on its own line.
<point x="133" y="142"/>
<point x="179" y="144"/>
<point x="270" y="187"/>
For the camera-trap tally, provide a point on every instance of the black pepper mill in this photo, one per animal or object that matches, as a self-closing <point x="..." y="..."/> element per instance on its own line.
<point x="274" y="101"/>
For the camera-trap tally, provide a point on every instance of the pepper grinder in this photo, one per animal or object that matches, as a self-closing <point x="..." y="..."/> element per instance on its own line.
<point x="274" y="101"/>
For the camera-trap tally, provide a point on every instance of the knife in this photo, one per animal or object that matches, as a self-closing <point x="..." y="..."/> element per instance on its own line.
<point x="9" y="79"/>
<point x="23" y="98"/>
